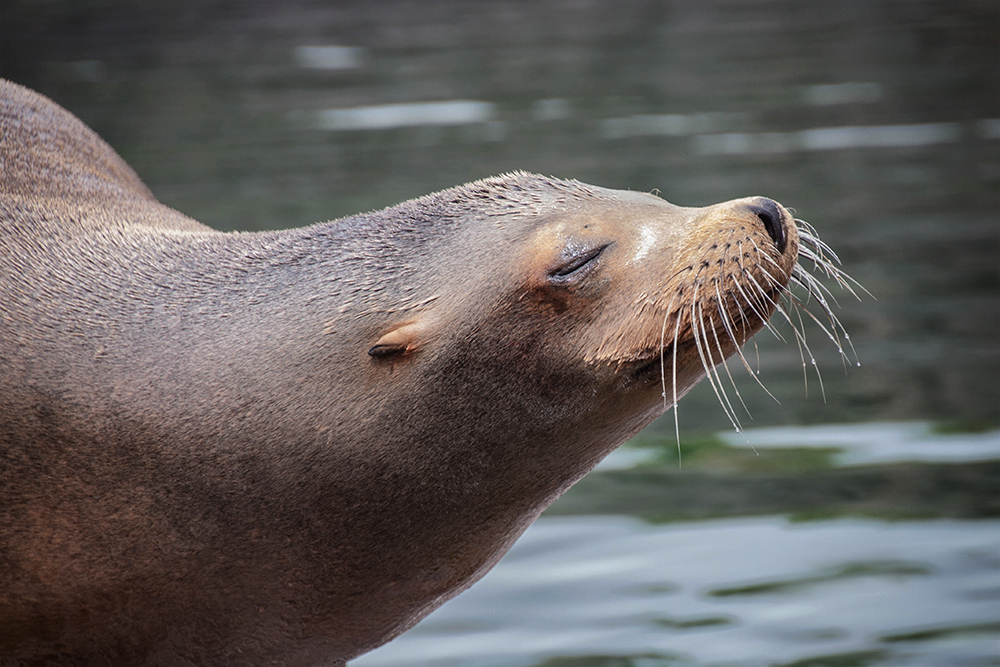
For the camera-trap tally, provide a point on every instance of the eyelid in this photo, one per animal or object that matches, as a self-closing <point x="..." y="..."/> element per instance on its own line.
<point x="579" y="263"/>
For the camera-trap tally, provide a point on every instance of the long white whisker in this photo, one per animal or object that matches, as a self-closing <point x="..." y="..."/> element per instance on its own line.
<point x="836" y="326"/>
<point x="673" y="381"/>
<point x="827" y="265"/>
<point x="746" y="326"/>
<point x="722" y="355"/>
<point x="800" y="336"/>
<point x="812" y="285"/>
<point x="833" y="333"/>
<point x="831" y="271"/>
<point x="701" y="342"/>
<point x="802" y="328"/>
<point x="809" y="235"/>
<point x="739" y="352"/>
<point x="663" y="332"/>
<point x="799" y="340"/>
<point x="761" y="287"/>
<point x="775" y="283"/>
<point x="762" y="292"/>
<point x="703" y="350"/>
<point x="760" y="316"/>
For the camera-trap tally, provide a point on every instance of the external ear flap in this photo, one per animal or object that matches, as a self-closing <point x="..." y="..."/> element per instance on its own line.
<point x="404" y="339"/>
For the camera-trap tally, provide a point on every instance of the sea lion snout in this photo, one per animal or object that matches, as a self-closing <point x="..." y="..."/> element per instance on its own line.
<point x="677" y="289"/>
<point x="771" y="216"/>
<point x="757" y="223"/>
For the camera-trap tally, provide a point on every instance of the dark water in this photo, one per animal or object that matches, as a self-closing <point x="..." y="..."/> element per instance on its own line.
<point x="879" y="122"/>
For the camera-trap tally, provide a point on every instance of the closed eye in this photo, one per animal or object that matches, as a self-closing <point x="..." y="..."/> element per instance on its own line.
<point x="577" y="266"/>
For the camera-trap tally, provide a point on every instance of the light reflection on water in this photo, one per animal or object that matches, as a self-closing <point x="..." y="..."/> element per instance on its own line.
<point x="876" y="442"/>
<point x="758" y="591"/>
<point x="856" y="444"/>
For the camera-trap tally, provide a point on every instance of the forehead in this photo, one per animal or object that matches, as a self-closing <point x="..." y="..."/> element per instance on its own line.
<point x="608" y="215"/>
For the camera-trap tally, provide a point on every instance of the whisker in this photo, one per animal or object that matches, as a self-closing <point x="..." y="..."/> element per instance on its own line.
<point x="800" y="336"/>
<point x="832" y="332"/>
<point x="746" y="325"/>
<point x="775" y="283"/>
<point x="802" y="327"/>
<point x="827" y="268"/>
<point x="761" y="287"/>
<point x="809" y="235"/>
<point x="663" y="332"/>
<point x="725" y="365"/>
<point x="739" y="352"/>
<point x="807" y="282"/>
<point x="727" y="406"/>
<point x="673" y="381"/>
<point x="703" y="352"/>
<point x="825" y="259"/>
<point x="816" y="289"/>
<point x="767" y="324"/>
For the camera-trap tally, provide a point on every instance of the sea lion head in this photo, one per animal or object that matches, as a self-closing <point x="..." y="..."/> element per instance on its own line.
<point x="588" y="309"/>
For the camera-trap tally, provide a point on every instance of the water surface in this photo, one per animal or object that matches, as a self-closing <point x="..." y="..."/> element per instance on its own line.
<point x="757" y="591"/>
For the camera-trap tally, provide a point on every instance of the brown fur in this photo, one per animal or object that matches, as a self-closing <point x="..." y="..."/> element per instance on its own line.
<point x="287" y="448"/>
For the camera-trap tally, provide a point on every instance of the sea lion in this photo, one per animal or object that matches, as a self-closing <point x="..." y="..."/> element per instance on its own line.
<point x="288" y="447"/>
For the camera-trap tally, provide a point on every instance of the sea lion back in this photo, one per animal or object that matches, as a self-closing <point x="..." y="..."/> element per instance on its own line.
<point x="52" y="162"/>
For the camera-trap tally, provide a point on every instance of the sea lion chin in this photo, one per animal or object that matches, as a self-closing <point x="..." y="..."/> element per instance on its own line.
<point x="288" y="447"/>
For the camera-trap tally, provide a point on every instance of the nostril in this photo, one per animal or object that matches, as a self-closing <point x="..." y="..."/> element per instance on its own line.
<point x="769" y="213"/>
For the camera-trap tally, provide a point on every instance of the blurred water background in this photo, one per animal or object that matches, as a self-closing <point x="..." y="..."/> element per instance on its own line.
<point x="866" y="527"/>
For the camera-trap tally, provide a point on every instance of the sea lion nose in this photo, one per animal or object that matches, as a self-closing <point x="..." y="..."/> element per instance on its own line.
<point x="769" y="213"/>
